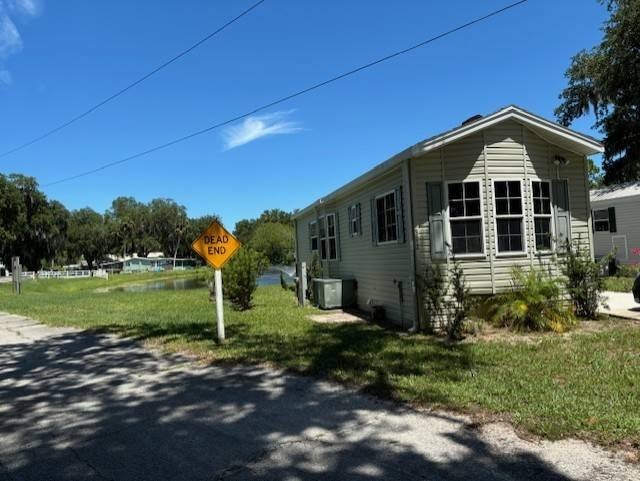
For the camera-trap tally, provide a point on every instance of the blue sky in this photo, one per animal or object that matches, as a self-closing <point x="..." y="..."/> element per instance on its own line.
<point x="58" y="58"/>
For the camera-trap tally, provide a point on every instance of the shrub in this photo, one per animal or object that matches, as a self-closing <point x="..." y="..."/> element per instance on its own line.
<point x="241" y="277"/>
<point x="628" y="270"/>
<point x="535" y="304"/>
<point x="283" y="282"/>
<point x="459" y="304"/>
<point x="434" y="291"/>
<point x="583" y="280"/>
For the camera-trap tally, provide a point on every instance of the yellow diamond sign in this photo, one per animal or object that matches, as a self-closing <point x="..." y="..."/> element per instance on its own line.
<point x="216" y="245"/>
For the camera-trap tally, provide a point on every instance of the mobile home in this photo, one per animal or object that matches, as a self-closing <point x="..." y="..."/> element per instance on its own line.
<point x="616" y="222"/>
<point x="498" y="191"/>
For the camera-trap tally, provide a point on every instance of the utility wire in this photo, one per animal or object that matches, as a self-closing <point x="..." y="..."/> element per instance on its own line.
<point x="288" y="97"/>
<point x="130" y="86"/>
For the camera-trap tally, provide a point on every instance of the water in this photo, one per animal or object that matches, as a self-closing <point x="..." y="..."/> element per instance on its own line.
<point x="165" y="285"/>
<point x="270" y="278"/>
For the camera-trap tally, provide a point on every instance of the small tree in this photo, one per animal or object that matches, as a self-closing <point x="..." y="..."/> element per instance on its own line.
<point x="241" y="277"/>
<point x="459" y="304"/>
<point x="583" y="281"/>
<point x="435" y="292"/>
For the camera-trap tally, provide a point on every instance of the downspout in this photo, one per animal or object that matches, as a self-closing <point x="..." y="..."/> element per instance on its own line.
<point x="411" y="244"/>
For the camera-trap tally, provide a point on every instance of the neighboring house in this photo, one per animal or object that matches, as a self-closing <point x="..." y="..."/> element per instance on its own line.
<point x="616" y="222"/>
<point x="149" y="264"/>
<point x="499" y="191"/>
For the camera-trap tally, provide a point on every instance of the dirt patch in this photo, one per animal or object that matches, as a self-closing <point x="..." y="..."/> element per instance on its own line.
<point x="338" y="316"/>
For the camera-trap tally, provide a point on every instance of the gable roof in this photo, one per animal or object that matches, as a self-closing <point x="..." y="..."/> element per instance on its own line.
<point x="620" y="191"/>
<point x="550" y="131"/>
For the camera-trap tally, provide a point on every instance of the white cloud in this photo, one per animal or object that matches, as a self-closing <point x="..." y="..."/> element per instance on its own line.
<point x="5" y="78"/>
<point x="258" y="126"/>
<point x="10" y="39"/>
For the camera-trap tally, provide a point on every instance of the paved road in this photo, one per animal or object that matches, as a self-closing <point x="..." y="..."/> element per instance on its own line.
<point x="82" y="406"/>
<point x="621" y="304"/>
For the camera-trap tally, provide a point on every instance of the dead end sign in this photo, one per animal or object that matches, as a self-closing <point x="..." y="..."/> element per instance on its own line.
<point x="216" y="245"/>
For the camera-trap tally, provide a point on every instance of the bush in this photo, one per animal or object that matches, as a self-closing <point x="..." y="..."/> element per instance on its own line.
<point x="459" y="304"/>
<point x="241" y="277"/>
<point x="446" y="299"/>
<point x="583" y="280"/>
<point x="283" y="282"/>
<point x="628" y="270"/>
<point x="534" y="304"/>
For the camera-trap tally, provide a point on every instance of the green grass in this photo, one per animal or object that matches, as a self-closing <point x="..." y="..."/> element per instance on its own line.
<point x="619" y="284"/>
<point x="583" y="384"/>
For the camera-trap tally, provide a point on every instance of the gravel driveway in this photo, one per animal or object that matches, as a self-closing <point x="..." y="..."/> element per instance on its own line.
<point x="85" y="406"/>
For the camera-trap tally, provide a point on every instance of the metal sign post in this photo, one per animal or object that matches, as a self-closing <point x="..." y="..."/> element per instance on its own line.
<point x="216" y="245"/>
<point x="219" y="305"/>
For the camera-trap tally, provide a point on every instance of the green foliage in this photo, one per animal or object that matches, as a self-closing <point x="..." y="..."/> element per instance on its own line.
<point x="283" y="282"/>
<point x="241" y="277"/>
<point x="447" y="300"/>
<point x="87" y="235"/>
<point x="271" y="234"/>
<point x="31" y="226"/>
<point x="434" y="293"/>
<point x="459" y="303"/>
<point x="275" y="241"/>
<point x="606" y="79"/>
<point x="628" y="270"/>
<point x="583" y="280"/>
<point x="595" y="175"/>
<point x="534" y="304"/>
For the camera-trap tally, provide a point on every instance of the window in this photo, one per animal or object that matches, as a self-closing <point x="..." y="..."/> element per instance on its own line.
<point x="332" y="241"/>
<point x="509" y="218"/>
<point x="328" y="237"/>
<point x="355" y="220"/>
<point x="601" y="220"/>
<point x="313" y="235"/>
<point x="541" y="194"/>
<point x="465" y="217"/>
<point x="386" y="217"/>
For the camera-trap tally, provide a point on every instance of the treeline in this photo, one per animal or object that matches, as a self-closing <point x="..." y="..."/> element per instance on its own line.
<point x="270" y="234"/>
<point x="45" y="234"/>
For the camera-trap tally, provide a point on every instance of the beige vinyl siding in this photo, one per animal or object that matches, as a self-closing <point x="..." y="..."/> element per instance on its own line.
<point x="512" y="152"/>
<point x="375" y="267"/>
<point x="627" y="225"/>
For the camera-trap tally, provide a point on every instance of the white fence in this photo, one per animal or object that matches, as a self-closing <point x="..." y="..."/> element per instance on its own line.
<point x="65" y="274"/>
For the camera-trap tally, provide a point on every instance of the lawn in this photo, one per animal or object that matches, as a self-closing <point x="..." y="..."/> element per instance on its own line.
<point x="585" y="384"/>
<point x="619" y="284"/>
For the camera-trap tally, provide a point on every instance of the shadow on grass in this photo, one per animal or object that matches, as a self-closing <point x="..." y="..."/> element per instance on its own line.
<point x="88" y="406"/>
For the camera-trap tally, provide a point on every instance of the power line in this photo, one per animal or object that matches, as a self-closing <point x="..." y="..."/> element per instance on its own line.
<point x="130" y="86"/>
<point x="288" y="97"/>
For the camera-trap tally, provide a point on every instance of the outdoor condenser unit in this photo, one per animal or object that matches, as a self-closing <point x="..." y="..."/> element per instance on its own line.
<point x="333" y="293"/>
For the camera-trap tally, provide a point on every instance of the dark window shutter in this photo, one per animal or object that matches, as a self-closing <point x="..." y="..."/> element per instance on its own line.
<point x="561" y="211"/>
<point x="612" y="220"/>
<point x="336" y="219"/>
<point x="400" y="215"/>
<point x="435" y="210"/>
<point x="374" y="223"/>
<point x="593" y="222"/>
<point x="350" y="224"/>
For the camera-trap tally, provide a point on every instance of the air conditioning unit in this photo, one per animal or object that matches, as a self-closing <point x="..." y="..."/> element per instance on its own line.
<point x="334" y="293"/>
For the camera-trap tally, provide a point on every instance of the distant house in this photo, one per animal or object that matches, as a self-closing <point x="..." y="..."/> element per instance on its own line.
<point x="498" y="191"/>
<point x="148" y="264"/>
<point x="616" y="222"/>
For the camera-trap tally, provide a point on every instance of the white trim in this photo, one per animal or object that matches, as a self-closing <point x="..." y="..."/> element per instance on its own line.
<point x="525" y="244"/>
<point x="591" y="146"/>
<point x="595" y="221"/>
<point x="471" y="255"/>
<point x="358" y="221"/>
<point x="552" y="226"/>
<point x="395" y="208"/>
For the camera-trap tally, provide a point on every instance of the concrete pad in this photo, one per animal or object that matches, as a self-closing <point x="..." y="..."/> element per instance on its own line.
<point x="621" y="304"/>
<point x="78" y="405"/>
